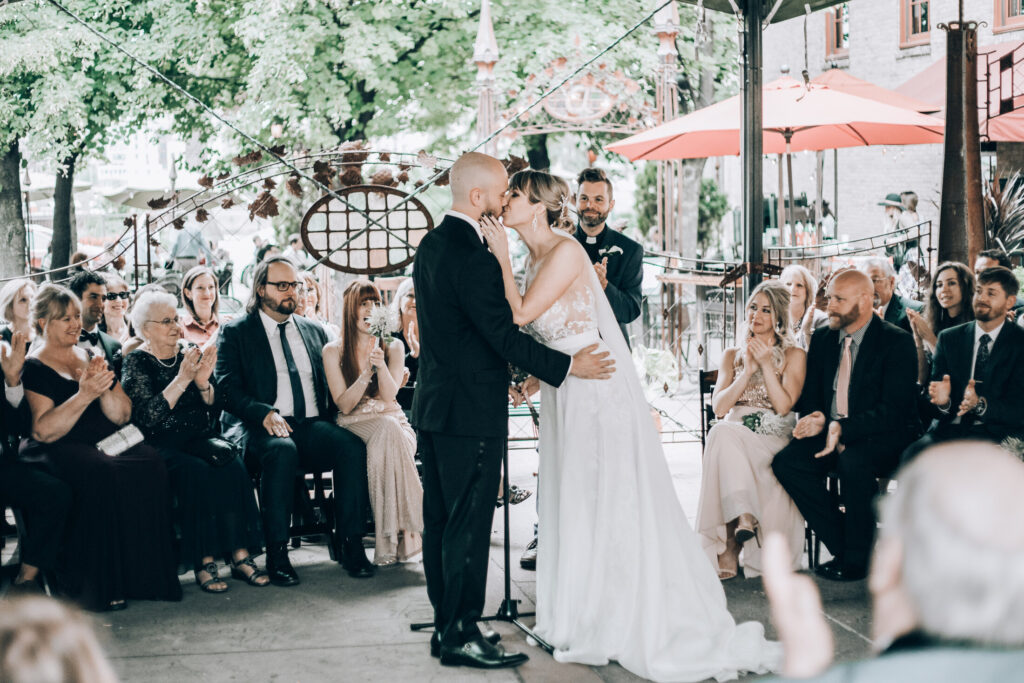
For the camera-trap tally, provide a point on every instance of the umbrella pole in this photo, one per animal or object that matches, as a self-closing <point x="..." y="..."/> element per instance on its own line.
<point x="752" y="137"/>
<point x="835" y="190"/>
<point x="789" y="174"/>
<point x="781" y="213"/>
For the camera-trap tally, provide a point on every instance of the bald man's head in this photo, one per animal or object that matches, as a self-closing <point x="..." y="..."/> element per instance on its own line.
<point x="850" y="294"/>
<point x="955" y="518"/>
<point x="478" y="183"/>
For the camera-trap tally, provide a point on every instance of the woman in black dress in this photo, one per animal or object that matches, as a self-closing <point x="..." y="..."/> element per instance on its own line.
<point x="118" y="543"/>
<point x="174" y="402"/>
<point x="408" y="333"/>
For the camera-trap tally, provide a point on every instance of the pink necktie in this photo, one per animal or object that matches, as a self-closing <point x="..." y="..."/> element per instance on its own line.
<point x="843" y="384"/>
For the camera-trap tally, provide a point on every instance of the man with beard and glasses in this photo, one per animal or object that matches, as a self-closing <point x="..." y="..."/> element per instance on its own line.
<point x="978" y="370"/>
<point x="617" y="259"/>
<point x="857" y="415"/>
<point x="270" y="376"/>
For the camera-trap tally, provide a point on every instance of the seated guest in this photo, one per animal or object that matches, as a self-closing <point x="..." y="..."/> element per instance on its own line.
<point x="115" y="305"/>
<point x="270" y="374"/>
<point x="313" y="297"/>
<point x="175" y="404"/>
<point x="364" y="380"/>
<point x="947" y="601"/>
<point x="978" y="370"/>
<point x="990" y="258"/>
<point x="949" y="305"/>
<point x="858" y="413"/>
<point x="44" y="500"/>
<point x="15" y="302"/>
<point x="200" y="295"/>
<point x="134" y="340"/>
<point x="404" y="305"/>
<point x="118" y="543"/>
<point x="759" y="380"/>
<point x="91" y="290"/>
<point x="891" y="306"/>
<point x="804" y="316"/>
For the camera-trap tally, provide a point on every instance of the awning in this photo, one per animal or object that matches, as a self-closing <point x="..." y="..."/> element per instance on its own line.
<point x="783" y="9"/>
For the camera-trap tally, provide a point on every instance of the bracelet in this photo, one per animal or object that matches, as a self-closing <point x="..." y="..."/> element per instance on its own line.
<point x="209" y="387"/>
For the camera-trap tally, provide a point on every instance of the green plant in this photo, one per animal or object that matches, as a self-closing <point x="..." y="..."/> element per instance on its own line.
<point x="714" y="204"/>
<point x="1004" y="214"/>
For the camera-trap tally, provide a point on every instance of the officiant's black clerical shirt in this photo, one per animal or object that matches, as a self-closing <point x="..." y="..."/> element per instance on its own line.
<point x="592" y="245"/>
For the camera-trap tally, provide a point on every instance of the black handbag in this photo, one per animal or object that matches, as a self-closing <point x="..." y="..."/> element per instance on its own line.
<point x="214" y="450"/>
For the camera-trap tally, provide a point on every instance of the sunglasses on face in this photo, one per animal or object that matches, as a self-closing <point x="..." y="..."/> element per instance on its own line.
<point x="112" y="296"/>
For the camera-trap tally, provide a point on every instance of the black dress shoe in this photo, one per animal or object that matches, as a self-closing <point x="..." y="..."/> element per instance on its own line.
<point x="529" y="558"/>
<point x="279" y="568"/>
<point x="353" y="558"/>
<point x="480" y="654"/>
<point x="492" y="637"/>
<point x="837" y="571"/>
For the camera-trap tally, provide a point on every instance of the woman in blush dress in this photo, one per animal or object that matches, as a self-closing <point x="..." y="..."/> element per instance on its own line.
<point x="364" y="381"/>
<point x="758" y="383"/>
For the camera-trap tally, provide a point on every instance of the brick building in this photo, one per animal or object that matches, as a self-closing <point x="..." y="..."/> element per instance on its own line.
<point x="885" y="42"/>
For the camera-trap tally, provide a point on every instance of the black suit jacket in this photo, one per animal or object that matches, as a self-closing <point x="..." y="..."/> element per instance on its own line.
<point x="896" y="313"/>
<point x="625" y="274"/>
<point x="883" y="385"/>
<point x="467" y="337"/>
<point x="246" y="376"/>
<point x="1001" y="388"/>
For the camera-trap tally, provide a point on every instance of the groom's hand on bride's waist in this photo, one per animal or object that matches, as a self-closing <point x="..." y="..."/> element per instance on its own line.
<point x="589" y="364"/>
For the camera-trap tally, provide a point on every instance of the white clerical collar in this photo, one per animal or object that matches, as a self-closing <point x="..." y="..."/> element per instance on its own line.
<point x="991" y="335"/>
<point x="461" y="216"/>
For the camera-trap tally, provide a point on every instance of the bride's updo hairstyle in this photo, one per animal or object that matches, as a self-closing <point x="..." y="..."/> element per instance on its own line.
<point x="551" y="191"/>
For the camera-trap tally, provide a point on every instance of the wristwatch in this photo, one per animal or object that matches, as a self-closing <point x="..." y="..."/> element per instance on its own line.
<point x="981" y="407"/>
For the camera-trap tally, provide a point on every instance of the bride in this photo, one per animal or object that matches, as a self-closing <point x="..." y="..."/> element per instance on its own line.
<point x="621" y="575"/>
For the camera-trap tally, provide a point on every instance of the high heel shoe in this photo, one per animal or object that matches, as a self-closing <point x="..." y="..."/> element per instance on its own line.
<point x="747" y="528"/>
<point x="729" y="561"/>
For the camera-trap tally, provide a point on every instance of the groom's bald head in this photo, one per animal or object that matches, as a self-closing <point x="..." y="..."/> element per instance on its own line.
<point x="478" y="183"/>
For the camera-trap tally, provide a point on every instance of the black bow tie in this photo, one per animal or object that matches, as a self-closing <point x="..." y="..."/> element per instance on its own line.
<point x="91" y="337"/>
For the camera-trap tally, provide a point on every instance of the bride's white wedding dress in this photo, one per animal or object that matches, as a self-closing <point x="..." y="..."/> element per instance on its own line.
<point x="620" y="574"/>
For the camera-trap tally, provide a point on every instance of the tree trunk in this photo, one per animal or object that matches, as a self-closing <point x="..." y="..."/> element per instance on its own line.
<point x="537" y="152"/>
<point x="65" y="237"/>
<point x="12" y="221"/>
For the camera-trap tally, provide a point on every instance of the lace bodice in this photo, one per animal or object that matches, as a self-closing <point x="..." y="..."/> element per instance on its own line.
<point x="575" y="312"/>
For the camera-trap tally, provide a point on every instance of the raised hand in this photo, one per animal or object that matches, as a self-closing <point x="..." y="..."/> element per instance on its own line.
<point x="495" y="236"/>
<point x="376" y="356"/>
<point x="761" y="353"/>
<point x="835" y="430"/>
<point x="95" y="379"/>
<point x="589" y="364"/>
<point x="970" y="400"/>
<point x="809" y="425"/>
<point x="921" y="327"/>
<point x="796" y="610"/>
<point x="189" y="364"/>
<point x="938" y="392"/>
<point x="12" y="358"/>
<point x="412" y="337"/>
<point x="206" y="366"/>
<point x="601" y="268"/>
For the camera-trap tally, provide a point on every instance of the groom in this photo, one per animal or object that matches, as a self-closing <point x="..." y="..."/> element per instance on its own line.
<point x="460" y="409"/>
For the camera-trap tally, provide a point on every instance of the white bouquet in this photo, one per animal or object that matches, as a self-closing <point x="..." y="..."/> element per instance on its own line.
<point x="383" y="323"/>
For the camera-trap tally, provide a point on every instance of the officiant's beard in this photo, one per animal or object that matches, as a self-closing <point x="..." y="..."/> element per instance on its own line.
<point x="592" y="219"/>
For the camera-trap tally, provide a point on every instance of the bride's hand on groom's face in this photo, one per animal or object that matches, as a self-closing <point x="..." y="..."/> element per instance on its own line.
<point x="588" y="364"/>
<point x="494" y="235"/>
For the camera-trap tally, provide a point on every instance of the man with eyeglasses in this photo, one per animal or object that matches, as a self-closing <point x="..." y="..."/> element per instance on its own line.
<point x="891" y="306"/>
<point x="270" y="373"/>
<point x="91" y="288"/>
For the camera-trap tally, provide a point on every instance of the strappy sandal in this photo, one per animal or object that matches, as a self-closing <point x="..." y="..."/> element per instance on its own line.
<point x="251" y="579"/>
<point x="747" y="528"/>
<point x="207" y="586"/>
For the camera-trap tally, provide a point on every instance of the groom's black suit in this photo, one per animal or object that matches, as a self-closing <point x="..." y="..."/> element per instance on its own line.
<point x="460" y="409"/>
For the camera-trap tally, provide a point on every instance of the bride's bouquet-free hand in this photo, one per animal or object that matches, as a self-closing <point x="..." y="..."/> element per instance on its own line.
<point x="516" y="378"/>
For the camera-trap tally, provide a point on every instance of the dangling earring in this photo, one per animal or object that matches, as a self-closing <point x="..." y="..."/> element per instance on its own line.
<point x="533" y="225"/>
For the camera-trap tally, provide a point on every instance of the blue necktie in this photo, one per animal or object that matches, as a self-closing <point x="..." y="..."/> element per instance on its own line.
<point x="298" y="399"/>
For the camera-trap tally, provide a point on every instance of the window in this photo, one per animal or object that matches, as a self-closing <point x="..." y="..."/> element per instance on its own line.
<point x="915" y="22"/>
<point x="1008" y="15"/>
<point x="837" y="31"/>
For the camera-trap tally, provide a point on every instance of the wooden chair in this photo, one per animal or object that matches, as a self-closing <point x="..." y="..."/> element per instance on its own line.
<point x="706" y="380"/>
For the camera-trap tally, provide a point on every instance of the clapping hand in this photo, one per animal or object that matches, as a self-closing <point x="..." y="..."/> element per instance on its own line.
<point x="412" y="337"/>
<point x="938" y="392"/>
<point x="12" y="358"/>
<point x="835" y="430"/>
<point x="760" y="352"/>
<point x="96" y="378"/>
<point x="970" y="400"/>
<point x="189" y="364"/>
<point x="206" y="365"/>
<point x="495" y="236"/>
<point x="809" y="425"/>
<point x="806" y="638"/>
<point x="922" y="330"/>
<point x="601" y="268"/>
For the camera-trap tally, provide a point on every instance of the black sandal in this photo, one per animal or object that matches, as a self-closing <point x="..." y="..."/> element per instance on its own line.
<point x="251" y="579"/>
<point x="211" y="569"/>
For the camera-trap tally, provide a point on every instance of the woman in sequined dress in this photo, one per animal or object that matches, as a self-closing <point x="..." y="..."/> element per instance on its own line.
<point x="364" y="380"/>
<point x="758" y="383"/>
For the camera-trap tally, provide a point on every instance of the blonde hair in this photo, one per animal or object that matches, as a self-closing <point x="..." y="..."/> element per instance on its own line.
<point x="44" y="641"/>
<point x="51" y="302"/>
<point x="807" y="278"/>
<point x="778" y="300"/>
<point x="551" y="191"/>
<point x="9" y="293"/>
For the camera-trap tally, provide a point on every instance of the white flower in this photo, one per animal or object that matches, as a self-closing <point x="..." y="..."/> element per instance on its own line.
<point x="382" y="321"/>
<point x="608" y="251"/>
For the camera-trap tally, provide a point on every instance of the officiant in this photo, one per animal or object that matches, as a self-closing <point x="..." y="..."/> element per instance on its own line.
<point x="617" y="259"/>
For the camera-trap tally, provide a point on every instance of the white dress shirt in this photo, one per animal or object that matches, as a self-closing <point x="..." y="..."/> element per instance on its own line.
<point x="284" y="403"/>
<point x="977" y="341"/>
<point x="93" y="349"/>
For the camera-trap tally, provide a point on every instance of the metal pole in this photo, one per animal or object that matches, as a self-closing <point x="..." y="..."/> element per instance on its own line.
<point x="752" y="136"/>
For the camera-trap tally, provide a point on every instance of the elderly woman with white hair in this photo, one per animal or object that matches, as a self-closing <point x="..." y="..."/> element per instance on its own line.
<point x="804" y="317"/>
<point x="175" y="404"/>
<point x="403" y="306"/>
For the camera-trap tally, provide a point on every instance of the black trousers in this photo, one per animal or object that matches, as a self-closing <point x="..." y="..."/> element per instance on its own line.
<point x="315" y="445"/>
<point x="848" y="536"/>
<point x="941" y="433"/>
<point x="460" y="478"/>
<point x="44" y="502"/>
